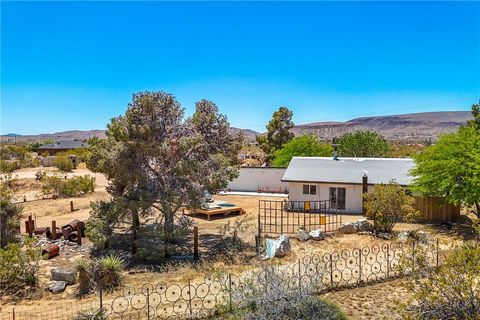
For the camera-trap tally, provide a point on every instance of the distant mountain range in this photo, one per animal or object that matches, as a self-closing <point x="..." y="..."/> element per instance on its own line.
<point x="414" y="126"/>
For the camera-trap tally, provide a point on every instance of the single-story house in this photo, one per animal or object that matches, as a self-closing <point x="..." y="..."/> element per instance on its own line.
<point x="343" y="181"/>
<point x="60" y="146"/>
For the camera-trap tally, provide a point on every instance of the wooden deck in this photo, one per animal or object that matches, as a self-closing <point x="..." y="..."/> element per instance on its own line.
<point x="224" y="211"/>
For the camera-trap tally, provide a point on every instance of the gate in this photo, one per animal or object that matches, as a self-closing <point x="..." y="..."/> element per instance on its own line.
<point x="286" y="217"/>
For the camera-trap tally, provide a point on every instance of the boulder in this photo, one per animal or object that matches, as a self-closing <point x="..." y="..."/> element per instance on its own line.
<point x="278" y="248"/>
<point x="302" y="235"/>
<point x="403" y="236"/>
<point x="57" y="286"/>
<point x="363" y="225"/>
<point x="348" y="228"/>
<point x="317" y="234"/>
<point x="59" y="274"/>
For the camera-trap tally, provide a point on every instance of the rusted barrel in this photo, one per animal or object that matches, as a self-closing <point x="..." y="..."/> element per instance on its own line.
<point x="42" y="231"/>
<point x="51" y="251"/>
<point x="73" y="236"/>
<point x="72" y="226"/>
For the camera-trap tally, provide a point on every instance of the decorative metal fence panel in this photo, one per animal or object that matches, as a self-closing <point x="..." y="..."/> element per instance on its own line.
<point x="201" y="298"/>
<point x="286" y="217"/>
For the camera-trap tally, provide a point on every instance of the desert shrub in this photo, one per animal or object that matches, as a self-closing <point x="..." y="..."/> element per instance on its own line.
<point x="82" y="154"/>
<point x="110" y="270"/>
<point x="10" y="214"/>
<point x="73" y="187"/>
<point x="6" y="166"/>
<point x="19" y="267"/>
<point x="94" y="314"/>
<point x="85" y="276"/>
<point x="476" y="228"/>
<point x="63" y="163"/>
<point x="276" y="294"/>
<point x="451" y="292"/>
<point x="389" y="204"/>
<point x="233" y="243"/>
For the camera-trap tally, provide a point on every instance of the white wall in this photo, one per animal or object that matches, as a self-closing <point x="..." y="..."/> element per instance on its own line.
<point x="254" y="178"/>
<point x="353" y="194"/>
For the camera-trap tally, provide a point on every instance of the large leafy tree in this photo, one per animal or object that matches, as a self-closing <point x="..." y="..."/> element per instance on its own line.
<point x="303" y="146"/>
<point x="451" y="167"/>
<point x="365" y="144"/>
<point x="278" y="132"/>
<point x="157" y="161"/>
<point x="475" y="122"/>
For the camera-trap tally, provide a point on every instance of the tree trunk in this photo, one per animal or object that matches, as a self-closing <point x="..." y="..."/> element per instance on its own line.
<point x="135" y="226"/>
<point x="169" y="227"/>
<point x="477" y="206"/>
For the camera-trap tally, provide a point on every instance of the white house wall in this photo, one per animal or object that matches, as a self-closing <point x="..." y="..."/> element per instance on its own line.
<point x="255" y="178"/>
<point x="353" y="201"/>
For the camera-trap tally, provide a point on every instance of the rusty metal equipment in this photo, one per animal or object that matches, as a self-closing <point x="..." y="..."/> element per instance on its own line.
<point x="51" y="251"/>
<point x="71" y="227"/>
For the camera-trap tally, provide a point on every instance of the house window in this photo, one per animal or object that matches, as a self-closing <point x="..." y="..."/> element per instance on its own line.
<point x="309" y="189"/>
<point x="338" y="198"/>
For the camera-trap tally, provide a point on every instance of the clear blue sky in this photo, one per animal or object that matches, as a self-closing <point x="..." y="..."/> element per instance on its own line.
<point x="75" y="65"/>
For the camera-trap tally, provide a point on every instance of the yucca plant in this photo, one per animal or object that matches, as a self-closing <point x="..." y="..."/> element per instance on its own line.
<point x="85" y="277"/>
<point x="110" y="271"/>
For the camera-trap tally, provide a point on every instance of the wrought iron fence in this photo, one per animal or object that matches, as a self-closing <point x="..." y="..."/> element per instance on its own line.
<point x="202" y="298"/>
<point x="286" y="217"/>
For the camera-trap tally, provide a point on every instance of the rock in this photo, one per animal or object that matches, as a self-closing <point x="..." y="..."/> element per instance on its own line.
<point x="403" y="236"/>
<point x="57" y="286"/>
<point x="317" y="234"/>
<point x="384" y="235"/>
<point x="364" y="225"/>
<point x="302" y="235"/>
<point x="59" y="274"/>
<point x="348" y="228"/>
<point x="278" y="248"/>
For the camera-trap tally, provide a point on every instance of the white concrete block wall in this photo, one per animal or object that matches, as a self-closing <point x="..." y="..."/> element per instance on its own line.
<point x="254" y="178"/>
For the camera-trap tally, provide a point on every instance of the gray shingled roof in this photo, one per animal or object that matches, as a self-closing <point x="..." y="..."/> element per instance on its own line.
<point x="349" y="170"/>
<point x="68" y="144"/>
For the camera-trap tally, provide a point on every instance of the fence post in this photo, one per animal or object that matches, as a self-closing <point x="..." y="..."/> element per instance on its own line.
<point x="148" y="303"/>
<point x="437" y="254"/>
<point x="195" y="243"/>
<point x="259" y="226"/>
<point x="413" y="256"/>
<point x="331" y="271"/>
<point x="79" y="233"/>
<point x="71" y="206"/>
<point x="230" y="292"/>
<point x="30" y="226"/>
<point x="190" y="299"/>
<point x="299" y="274"/>
<point x="388" y="260"/>
<point x="13" y="313"/>
<point x="360" y="265"/>
<point x="54" y="230"/>
<point x="101" y="296"/>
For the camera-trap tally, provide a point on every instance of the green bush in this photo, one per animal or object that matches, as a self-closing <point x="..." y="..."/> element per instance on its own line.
<point x="19" y="267"/>
<point x="10" y="213"/>
<point x="73" y="187"/>
<point x="6" y="167"/>
<point x="63" y="163"/>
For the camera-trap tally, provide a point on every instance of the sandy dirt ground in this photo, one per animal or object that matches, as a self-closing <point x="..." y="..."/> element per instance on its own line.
<point x="371" y="302"/>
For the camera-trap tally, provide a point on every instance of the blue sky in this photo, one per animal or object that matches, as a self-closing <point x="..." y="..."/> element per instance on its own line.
<point x="74" y="65"/>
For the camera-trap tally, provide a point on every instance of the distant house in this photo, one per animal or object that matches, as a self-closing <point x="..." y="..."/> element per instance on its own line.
<point x="343" y="181"/>
<point x="60" y="146"/>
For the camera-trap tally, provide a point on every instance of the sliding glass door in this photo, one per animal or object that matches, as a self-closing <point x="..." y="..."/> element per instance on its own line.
<point x="338" y="198"/>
